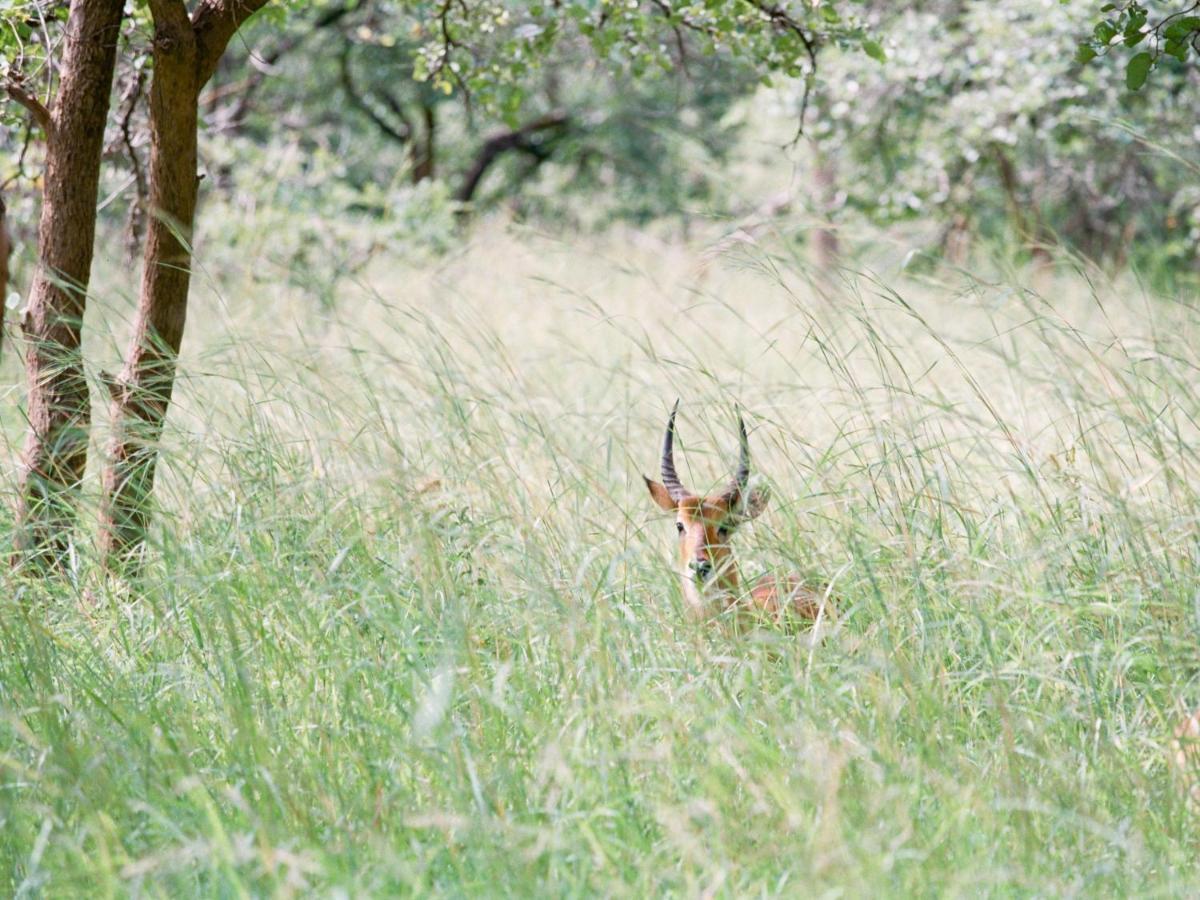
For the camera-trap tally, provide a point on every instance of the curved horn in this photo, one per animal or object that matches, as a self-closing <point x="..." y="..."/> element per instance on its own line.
<point x="742" y="477"/>
<point x="670" y="480"/>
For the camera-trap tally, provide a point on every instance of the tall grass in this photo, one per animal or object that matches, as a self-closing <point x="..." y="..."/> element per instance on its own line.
<point x="410" y="621"/>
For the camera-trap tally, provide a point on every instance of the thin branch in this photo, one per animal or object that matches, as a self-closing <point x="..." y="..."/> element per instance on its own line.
<point x="449" y="45"/>
<point x="215" y="23"/>
<point x="36" y="108"/>
<point x="710" y="31"/>
<point x="783" y="20"/>
<point x="20" y="171"/>
<point x="680" y="47"/>
<point x="398" y="111"/>
<point x="360" y="103"/>
<point x="264" y="66"/>
<point x="137" y="209"/>
<point x="1183" y="12"/>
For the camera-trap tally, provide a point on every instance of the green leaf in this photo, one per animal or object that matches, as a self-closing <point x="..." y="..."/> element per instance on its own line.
<point x="1105" y="32"/>
<point x="1137" y="71"/>
<point x="1085" y="53"/>
<point x="1181" y="28"/>
<point x="1177" y="49"/>
<point x="874" y="50"/>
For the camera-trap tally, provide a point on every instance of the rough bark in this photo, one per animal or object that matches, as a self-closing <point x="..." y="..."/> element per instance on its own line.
<point x="186" y="52"/>
<point x="55" y="452"/>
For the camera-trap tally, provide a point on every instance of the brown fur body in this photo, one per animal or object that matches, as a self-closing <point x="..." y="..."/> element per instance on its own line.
<point x="1185" y="755"/>
<point x="788" y="596"/>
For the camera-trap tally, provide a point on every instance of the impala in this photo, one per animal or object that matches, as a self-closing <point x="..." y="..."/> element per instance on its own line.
<point x="711" y="582"/>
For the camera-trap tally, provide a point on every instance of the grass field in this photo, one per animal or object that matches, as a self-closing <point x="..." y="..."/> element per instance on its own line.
<point x="411" y="623"/>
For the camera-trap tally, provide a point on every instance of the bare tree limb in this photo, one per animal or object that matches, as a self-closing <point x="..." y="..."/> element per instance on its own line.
<point x="215" y="23"/>
<point x="264" y="62"/>
<point x="401" y="135"/>
<point x="517" y="139"/>
<point x="680" y="47"/>
<point x="784" y="21"/>
<point x="20" y="172"/>
<point x="36" y="108"/>
<point x="137" y="209"/>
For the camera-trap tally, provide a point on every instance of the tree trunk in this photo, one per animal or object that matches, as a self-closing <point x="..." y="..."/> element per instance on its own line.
<point x="186" y="52"/>
<point x="956" y="240"/>
<point x="5" y="250"/>
<point x="424" y="150"/>
<point x="826" y="248"/>
<point x="142" y="393"/>
<point x="1023" y="214"/>
<point x="55" y="453"/>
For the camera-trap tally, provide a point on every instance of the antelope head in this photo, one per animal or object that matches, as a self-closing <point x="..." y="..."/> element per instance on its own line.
<point x="707" y="523"/>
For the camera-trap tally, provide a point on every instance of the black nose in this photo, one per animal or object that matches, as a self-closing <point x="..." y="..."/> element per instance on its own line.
<point x="702" y="568"/>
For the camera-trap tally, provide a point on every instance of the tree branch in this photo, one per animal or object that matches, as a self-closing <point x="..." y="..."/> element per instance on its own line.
<point x="215" y="23"/>
<point x="680" y="47"/>
<point x="359" y="102"/>
<point x="36" y="108"/>
<point x="137" y="209"/>
<point x="263" y="63"/>
<point x="493" y="147"/>
<point x="783" y="20"/>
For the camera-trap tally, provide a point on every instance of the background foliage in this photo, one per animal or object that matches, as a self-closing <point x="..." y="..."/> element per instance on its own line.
<point x="1012" y="123"/>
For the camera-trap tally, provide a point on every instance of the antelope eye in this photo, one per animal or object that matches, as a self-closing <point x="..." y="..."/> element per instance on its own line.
<point x="723" y="531"/>
<point x="679" y="527"/>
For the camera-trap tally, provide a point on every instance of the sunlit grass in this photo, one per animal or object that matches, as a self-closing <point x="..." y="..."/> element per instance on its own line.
<point x="410" y="620"/>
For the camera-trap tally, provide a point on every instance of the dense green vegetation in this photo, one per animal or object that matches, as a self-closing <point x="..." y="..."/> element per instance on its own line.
<point x="1015" y="124"/>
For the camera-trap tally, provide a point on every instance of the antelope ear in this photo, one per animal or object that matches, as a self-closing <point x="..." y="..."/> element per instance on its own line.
<point x="660" y="495"/>
<point x="752" y="502"/>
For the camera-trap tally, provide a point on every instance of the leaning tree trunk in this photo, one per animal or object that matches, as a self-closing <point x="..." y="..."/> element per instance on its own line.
<point x="826" y="247"/>
<point x="59" y="416"/>
<point x="5" y="250"/>
<point x="186" y="53"/>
